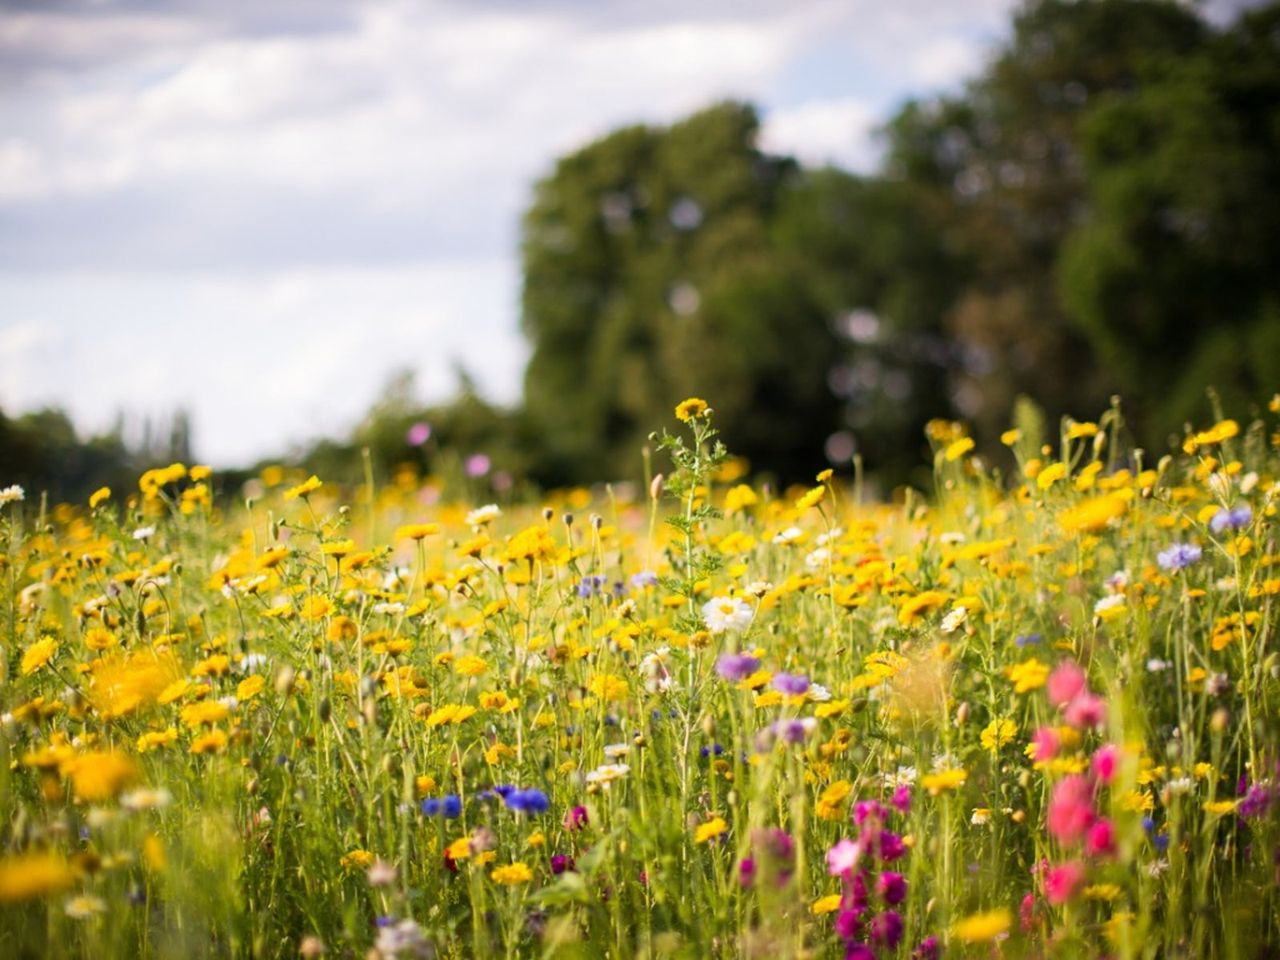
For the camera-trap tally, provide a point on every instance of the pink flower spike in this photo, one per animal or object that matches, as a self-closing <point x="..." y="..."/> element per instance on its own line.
<point x="1100" y="841"/>
<point x="842" y="859"/>
<point x="1105" y="761"/>
<point x="1047" y="742"/>
<point x="1066" y="681"/>
<point x="1061" y="883"/>
<point x="1086" y="711"/>
<point x="1070" y="809"/>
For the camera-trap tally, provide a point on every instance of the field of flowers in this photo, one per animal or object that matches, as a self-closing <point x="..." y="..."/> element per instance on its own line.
<point x="1020" y="717"/>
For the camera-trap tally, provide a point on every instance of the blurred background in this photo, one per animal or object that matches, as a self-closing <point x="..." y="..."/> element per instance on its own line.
<point x="503" y="238"/>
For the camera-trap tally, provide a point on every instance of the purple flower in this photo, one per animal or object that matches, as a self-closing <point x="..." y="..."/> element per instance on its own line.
<point x="736" y="666"/>
<point x="849" y="923"/>
<point x="865" y="810"/>
<point x="418" y="434"/>
<point x="478" y="464"/>
<point x="576" y="818"/>
<point x="590" y="586"/>
<point x="1255" y="801"/>
<point x="746" y="871"/>
<point x="1178" y="557"/>
<point x="859" y="951"/>
<point x="1232" y="519"/>
<point x="527" y="801"/>
<point x="929" y="949"/>
<point x="645" y="578"/>
<point x="886" y="929"/>
<point x="891" y="847"/>
<point x="891" y="887"/>
<point x="791" y="684"/>
<point x="901" y="800"/>
<point x="447" y="807"/>
<point x="560" y="863"/>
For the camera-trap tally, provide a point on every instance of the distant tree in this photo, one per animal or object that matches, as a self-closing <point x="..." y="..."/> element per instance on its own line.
<point x="1002" y="168"/>
<point x="1175" y="272"/>
<point x="652" y="272"/>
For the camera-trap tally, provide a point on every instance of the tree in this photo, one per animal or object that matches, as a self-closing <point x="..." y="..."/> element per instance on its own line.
<point x="651" y="273"/>
<point x="1175" y="274"/>
<point x="1003" y="168"/>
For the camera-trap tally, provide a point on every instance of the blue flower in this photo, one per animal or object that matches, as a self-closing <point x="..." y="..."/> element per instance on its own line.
<point x="590" y="586"/>
<point x="448" y="807"/>
<point x="1178" y="557"/>
<point x="528" y="801"/>
<point x="1232" y="519"/>
<point x="1027" y="639"/>
<point x="645" y="578"/>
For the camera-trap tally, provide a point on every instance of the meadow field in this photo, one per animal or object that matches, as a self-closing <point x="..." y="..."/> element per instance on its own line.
<point x="1021" y="715"/>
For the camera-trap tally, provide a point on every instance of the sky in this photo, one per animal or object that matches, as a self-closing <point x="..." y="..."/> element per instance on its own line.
<point x="257" y="210"/>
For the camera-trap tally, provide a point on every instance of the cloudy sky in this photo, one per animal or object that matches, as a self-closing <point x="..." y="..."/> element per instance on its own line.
<point x="257" y="209"/>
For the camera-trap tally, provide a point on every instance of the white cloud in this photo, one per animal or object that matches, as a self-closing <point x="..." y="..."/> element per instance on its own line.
<point x="257" y="210"/>
<point x="837" y="132"/>
<point x="259" y="360"/>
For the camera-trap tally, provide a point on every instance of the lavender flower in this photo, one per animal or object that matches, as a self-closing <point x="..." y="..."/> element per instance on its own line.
<point x="1178" y="557"/>
<point x="1232" y="519"/>
<point x="791" y="684"/>
<point x="736" y="666"/>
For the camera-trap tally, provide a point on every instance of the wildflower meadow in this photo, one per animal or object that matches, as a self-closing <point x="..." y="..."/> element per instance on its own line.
<point x="1028" y="713"/>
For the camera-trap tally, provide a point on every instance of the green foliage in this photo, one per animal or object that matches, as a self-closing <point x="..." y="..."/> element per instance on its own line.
<point x="651" y="272"/>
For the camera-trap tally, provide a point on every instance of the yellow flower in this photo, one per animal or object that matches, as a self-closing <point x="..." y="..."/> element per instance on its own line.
<point x="810" y="499"/>
<point x="828" y="904"/>
<point x="98" y="496"/>
<point x="943" y="780"/>
<point x="982" y="927"/>
<point x="460" y="849"/>
<point x="38" y="654"/>
<point x="356" y="859"/>
<point x="512" y="874"/>
<point x="915" y="608"/>
<point x="250" y="687"/>
<point x="32" y="875"/>
<point x="1093" y="514"/>
<point x="417" y="531"/>
<point x="160" y="738"/>
<point x="998" y="733"/>
<point x="1010" y="437"/>
<point x="204" y="712"/>
<point x="101" y="775"/>
<point x="1028" y="675"/>
<point x="470" y="666"/>
<point x="691" y="409"/>
<point x="301" y="490"/>
<point x="710" y="830"/>
<point x="212" y="742"/>
<point x="1050" y="475"/>
<point x="740" y="498"/>
<point x="957" y="449"/>
<point x="1078" y="431"/>
<point x="608" y="686"/>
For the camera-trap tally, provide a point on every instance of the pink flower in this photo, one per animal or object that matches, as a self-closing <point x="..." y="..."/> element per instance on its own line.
<point x="1086" y="711"/>
<point x="1070" y="809"/>
<point x="1061" y="883"/>
<point x="1047" y="743"/>
<point x="842" y="859"/>
<point x="1100" y="841"/>
<point x="1066" y="681"/>
<point x="1105" y="761"/>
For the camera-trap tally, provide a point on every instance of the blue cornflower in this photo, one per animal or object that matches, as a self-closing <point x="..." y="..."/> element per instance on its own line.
<point x="448" y="806"/>
<point x="791" y="683"/>
<point x="1027" y="639"/>
<point x="1178" y="557"/>
<point x="590" y="586"/>
<point x="528" y="801"/>
<point x="1232" y="519"/>
<point x="736" y="666"/>
<point x="645" y="578"/>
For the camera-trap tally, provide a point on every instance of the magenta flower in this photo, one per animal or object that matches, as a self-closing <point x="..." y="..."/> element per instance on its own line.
<point x="892" y="887"/>
<point x="1061" y="883"/>
<point x="1100" y="840"/>
<point x="842" y="859"/>
<point x="1105" y="761"/>
<point x="1047" y="743"/>
<point x="418" y="434"/>
<point x="1065" y="683"/>
<point x="1086" y="711"/>
<point x="1070" y="809"/>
